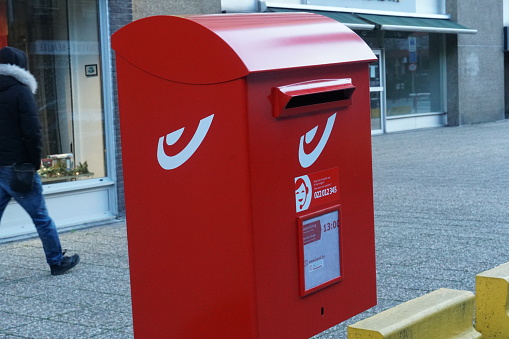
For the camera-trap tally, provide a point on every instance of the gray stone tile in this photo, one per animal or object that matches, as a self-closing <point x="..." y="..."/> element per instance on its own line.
<point x="106" y="320"/>
<point x="12" y="320"/>
<point x="36" y="308"/>
<point x="47" y="329"/>
<point x="118" y="334"/>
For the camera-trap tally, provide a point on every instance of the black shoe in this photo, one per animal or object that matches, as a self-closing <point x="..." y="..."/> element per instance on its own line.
<point x="66" y="264"/>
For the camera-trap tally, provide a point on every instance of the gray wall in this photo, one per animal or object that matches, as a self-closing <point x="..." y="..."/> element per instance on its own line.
<point x="144" y="8"/>
<point x="475" y="63"/>
<point x="120" y="14"/>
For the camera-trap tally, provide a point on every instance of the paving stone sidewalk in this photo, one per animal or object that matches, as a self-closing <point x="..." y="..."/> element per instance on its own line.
<point x="91" y="301"/>
<point x="441" y="211"/>
<point x="441" y="217"/>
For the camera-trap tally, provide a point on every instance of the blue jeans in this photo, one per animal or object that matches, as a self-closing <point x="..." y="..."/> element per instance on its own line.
<point x="34" y="205"/>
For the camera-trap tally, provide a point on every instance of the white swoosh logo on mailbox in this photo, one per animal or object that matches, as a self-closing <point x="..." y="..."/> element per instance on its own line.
<point x="171" y="162"/>
<point x="306" y="159"/>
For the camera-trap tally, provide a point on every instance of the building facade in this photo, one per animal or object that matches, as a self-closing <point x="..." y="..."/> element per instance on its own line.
<point x="69" y="52"/>
<point x="440" y="63"/>
<point x="68" y="46"/>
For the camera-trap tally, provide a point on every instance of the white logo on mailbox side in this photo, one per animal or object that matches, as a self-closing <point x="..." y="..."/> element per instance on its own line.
<point x="171" y="162"/>
<point x="306" y="159"/>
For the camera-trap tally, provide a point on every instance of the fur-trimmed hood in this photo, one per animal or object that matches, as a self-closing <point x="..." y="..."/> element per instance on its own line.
<point x="20" y="127"/>
<point x="20" y="74"/>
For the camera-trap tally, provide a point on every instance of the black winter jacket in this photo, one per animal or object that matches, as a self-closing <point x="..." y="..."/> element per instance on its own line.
<point x="20" y="127"/>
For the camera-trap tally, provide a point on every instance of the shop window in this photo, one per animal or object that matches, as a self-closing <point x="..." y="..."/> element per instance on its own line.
<point x="413" y="75"/>
<point x="61" y="39"/>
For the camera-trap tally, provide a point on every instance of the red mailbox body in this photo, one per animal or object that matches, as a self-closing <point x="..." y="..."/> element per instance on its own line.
<point x="247" y="166"/>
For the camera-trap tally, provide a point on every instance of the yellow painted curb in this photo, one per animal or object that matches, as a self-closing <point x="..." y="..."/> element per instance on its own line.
<point x="441" y="314"/>
<point x="492" y="287"/>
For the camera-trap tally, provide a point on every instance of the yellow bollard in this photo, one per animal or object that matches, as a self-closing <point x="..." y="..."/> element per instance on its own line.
<point x="492" y="302"/>
<point x="441" y="314"/>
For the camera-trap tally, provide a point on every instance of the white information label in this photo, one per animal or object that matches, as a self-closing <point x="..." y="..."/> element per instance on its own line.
<point x="412" y="44"/>
<point x="320" y="238"/>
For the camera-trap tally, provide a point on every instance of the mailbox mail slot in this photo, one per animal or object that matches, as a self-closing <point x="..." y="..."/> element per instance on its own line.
<point x="311" y="96"/>
<point x="246" y="148"/>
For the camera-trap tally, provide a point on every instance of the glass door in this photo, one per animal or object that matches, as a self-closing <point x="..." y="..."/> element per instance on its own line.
<point x="61" y="39"/>
<point x="377" y="95"/>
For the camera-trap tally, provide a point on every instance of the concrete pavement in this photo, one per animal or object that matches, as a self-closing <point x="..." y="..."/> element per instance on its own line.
<point x="441" y="211"/>
<point x="91" y="301"/>
<point x="441" y="217"/>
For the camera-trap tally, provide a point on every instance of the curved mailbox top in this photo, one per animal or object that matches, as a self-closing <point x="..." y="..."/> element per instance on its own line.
<point x="205" y="49"/>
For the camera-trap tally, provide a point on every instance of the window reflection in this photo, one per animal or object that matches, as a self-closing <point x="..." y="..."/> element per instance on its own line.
<point x="412" y="73"/>
<point x="61" y="39"/>
<point x="376" y="113"/>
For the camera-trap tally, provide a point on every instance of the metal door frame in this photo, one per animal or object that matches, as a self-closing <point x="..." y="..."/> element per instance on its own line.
<point x="381" y="89"/>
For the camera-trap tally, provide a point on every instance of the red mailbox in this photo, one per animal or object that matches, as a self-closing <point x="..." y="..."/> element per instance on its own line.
<point x="247" y="165"/>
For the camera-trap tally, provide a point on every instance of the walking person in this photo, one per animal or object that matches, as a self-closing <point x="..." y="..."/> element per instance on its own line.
<point x="21" y="142"/>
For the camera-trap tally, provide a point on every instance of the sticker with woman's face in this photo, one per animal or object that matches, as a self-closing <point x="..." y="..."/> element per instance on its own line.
<point x="316" y="189"/>
<point x="303" y="193"/>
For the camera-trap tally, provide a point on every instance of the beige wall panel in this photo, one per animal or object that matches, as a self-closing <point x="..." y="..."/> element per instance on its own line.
<point x="144" y="8"/>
